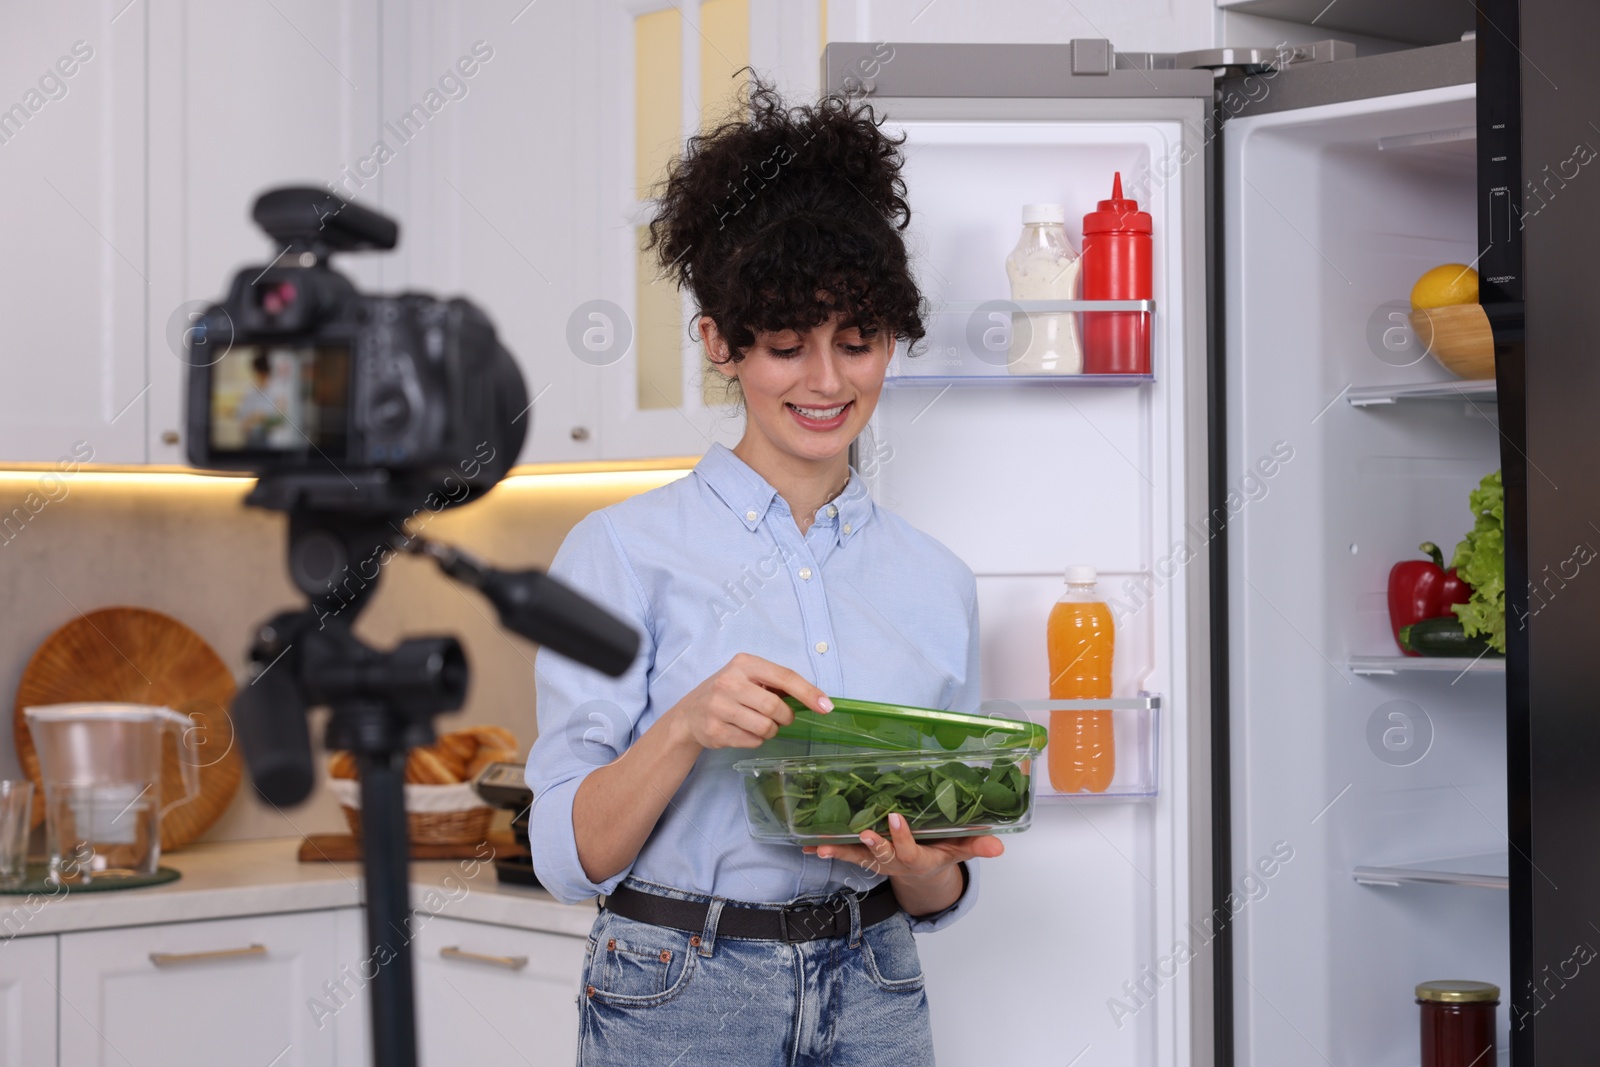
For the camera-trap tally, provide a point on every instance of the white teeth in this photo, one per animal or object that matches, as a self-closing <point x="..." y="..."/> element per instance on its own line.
<point x="819" y="413"/>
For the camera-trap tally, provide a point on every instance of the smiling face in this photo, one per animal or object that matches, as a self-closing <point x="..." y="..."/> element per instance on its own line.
<point x="807" y="395"/>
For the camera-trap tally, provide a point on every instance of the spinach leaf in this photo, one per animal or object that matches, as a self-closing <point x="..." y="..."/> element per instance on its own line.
<point x="997" y="797"/>
<point x="833" y="808"/>
<point x="864" y="818"/>
<point x="945" y="796"/>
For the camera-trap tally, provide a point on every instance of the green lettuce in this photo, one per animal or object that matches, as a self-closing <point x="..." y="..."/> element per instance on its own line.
<point x="1480" y="561"/>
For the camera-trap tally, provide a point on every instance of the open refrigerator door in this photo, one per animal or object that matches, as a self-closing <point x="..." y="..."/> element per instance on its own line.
<point x="1384" y="775"/>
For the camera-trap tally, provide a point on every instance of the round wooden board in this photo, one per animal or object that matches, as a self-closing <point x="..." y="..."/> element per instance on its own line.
<point x="140" y="657"/>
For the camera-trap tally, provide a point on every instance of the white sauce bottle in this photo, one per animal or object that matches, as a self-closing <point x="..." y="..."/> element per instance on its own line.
<point x="1044" y="266"/>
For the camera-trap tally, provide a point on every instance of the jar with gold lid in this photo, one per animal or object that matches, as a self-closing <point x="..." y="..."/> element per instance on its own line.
<point x="1458" y="1023"/>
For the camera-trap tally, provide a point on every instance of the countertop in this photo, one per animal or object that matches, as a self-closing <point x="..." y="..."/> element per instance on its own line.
<point x="230" y="879"/>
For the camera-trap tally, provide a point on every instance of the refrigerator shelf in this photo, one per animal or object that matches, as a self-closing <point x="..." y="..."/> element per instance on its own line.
<point x="1136" y="730"/>
<point x="1383" y="666"/>
<point x="1486" y="870"/>
<point x="1476" y="392"/>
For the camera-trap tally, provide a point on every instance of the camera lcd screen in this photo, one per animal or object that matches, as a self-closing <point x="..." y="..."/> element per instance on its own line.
<point x="277" y="399"/>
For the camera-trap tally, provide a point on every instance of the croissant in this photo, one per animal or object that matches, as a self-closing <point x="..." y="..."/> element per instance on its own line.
<point x="494" y="736"/>
<point x="487" y="756"/>
<point x="424" y="767"/>
<point x="341" y="765"/>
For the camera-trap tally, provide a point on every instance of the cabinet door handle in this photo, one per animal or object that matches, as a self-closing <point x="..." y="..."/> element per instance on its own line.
<point x="178" y="959"/>
<point x="510" y="963"/>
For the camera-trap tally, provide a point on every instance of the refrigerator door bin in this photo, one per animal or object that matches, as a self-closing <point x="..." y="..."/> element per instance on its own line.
<point x="1480" y="392"/>
<point x="1481" y="871"/>
<point x="1136" y="732"/>
<point x="974" y="343"/>
<point x="1383" y="666"/>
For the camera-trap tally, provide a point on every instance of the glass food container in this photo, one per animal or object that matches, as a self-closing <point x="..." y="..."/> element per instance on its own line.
<point x="830" y="799"/>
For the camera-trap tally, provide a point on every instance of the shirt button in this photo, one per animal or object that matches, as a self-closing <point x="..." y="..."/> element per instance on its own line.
<point x="751" y="516"/>
<point x="822" y="646"/>
<point x="832" y="511"/>
<point x="847" y="527"/>
<point x="805" y="574"/>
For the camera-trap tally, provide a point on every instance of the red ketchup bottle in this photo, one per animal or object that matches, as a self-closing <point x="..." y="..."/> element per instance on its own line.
<point x="1116" y="266"/>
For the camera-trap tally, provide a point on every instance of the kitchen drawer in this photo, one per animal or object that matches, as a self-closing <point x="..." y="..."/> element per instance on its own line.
<point x="199" y="993"/>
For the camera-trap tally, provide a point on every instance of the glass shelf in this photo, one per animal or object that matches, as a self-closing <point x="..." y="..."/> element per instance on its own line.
<point x="1487" y="870"/>
<point x="1474" y="391"/>
<point x="960" y="346"/>
<point x="1382" y="666"/>
<point x="1136" y="734"/>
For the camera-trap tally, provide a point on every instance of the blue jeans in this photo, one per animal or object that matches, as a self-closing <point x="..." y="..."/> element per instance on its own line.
<point x="654" y="996"/>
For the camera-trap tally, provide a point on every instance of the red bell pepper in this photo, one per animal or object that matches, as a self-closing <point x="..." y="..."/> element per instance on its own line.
<point x="1423" y="589"/>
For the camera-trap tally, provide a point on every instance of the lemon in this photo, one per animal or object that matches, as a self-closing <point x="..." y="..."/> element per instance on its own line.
<point x="1451" y="283"/>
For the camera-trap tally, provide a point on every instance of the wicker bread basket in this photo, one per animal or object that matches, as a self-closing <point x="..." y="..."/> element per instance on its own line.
<point x="435" y="814"/>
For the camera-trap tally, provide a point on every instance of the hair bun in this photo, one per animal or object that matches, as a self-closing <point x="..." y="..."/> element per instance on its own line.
<point x="778" y="202"/>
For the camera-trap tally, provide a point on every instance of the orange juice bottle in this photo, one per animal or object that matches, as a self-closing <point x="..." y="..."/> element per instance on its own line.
<point x="1082" y="755"/>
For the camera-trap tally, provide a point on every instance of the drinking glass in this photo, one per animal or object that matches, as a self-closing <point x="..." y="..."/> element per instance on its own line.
<point x="16" y="809"/>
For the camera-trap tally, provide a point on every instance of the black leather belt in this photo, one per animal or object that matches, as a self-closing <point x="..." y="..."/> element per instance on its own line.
<point x="796" y="922"/>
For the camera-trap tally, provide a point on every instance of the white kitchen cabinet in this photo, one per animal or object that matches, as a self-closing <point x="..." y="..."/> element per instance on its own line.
<point x="242" y="97"/>
<point x="236" y="991"/>
<point x="28" y="1001"/>
<point x="498" y="197"/>
<point x="663" y="73"/>
<point x="73" y="274"/>
<point x="496" y="996"/>
<point x="352" y="1033"/>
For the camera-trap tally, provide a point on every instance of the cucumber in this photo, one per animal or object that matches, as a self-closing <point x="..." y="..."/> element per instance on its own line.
<point x="1442" y="636"/>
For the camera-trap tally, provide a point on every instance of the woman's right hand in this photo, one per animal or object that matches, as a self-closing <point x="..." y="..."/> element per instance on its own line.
<point x="740" y="705"/>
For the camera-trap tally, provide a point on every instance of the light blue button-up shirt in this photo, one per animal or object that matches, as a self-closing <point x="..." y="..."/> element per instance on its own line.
<point x="711" y="565"/>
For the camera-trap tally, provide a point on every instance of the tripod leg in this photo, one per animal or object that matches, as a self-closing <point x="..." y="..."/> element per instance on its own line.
<point x="385" y="862"/>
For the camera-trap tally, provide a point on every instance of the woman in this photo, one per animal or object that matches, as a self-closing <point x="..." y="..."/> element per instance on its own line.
<point x="768" y="570"/>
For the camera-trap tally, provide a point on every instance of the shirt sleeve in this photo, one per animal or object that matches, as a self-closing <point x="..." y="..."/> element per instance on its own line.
<point x="940" y="919"/>
<point x="966" y="698"/>
<point x="586" y="719"/>
<point x="967" y="694"/>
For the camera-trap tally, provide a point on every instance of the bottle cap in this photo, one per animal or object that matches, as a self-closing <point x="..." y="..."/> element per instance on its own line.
<point x="1080" y="574"/>
<point x="1032" y="213"/>
<point x="1117" y="215"/>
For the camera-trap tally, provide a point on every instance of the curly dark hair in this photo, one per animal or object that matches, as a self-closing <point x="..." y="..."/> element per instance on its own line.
<point x="783" y="215"/>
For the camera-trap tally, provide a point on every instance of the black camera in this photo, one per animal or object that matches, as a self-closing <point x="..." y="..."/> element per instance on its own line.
<point x="342" y="399"/>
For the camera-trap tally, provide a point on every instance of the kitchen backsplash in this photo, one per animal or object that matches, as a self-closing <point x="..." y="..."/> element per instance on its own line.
<point x="187" y="547"/>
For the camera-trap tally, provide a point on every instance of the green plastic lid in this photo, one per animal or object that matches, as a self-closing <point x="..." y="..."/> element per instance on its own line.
<point x="903" y="728"/>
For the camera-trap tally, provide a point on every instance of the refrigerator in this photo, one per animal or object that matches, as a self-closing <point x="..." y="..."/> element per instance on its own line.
<point x="1305" y="824"/>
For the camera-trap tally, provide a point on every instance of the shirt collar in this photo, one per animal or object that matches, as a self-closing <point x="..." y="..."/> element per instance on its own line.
<point x="750" y="497"/>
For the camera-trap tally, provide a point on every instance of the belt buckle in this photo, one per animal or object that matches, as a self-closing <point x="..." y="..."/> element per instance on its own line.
<point x="807" y="932"/>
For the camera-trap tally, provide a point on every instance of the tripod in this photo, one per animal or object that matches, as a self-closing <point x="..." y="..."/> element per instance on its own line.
<point x="383" y="703"/>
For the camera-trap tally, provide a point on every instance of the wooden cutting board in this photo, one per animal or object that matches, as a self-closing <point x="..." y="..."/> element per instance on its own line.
<point x="347" y="848"/>
<point x="139" y="656"/>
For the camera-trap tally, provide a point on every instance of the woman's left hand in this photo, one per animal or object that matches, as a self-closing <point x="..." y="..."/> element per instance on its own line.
<point x="903" y="857"/>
